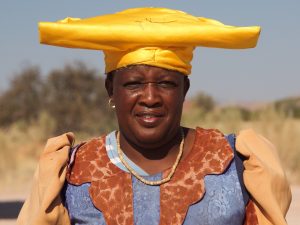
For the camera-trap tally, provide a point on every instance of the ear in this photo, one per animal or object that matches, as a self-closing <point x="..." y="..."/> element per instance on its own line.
<point x="109" y="84"/>
<point x="186" y="85"/>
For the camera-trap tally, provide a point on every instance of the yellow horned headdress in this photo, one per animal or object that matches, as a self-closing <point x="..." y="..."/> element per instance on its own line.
<point x="153" y="36"/>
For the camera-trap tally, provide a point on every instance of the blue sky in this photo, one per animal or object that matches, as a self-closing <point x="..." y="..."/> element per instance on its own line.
<point x="268" y="72"/>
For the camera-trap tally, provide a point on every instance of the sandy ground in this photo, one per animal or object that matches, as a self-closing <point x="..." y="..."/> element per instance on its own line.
<point x="293" y="216"/>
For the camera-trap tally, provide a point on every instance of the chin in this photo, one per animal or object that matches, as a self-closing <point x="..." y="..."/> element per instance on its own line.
<point x="153" y="137"/>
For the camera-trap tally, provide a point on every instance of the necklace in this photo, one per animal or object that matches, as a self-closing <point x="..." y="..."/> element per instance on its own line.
<point x="148" y="182"/>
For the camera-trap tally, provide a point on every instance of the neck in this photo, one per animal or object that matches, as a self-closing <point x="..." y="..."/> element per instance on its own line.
<point x="142" y="153"/>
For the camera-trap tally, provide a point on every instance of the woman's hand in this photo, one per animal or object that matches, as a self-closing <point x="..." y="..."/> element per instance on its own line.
<point x="44" y="205"/>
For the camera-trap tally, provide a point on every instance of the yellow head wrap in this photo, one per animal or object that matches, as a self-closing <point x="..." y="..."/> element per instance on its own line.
<point x="153" y="36"/>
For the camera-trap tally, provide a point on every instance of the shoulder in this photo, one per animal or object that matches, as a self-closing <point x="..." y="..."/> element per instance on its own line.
<point x="260" y="154"/>
<point x="87" y="149"/>
<point x="208" y="141"/>
<point x="85" y="158"/>
<point x="252" y="144"/>
<point x="211" y="148"/>
<point x="212" y="137"/>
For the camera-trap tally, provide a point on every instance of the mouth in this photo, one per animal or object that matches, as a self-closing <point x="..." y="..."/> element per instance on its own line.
<point x="149" y="119"/>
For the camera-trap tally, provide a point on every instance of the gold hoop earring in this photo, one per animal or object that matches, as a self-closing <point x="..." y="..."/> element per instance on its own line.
<point x="110" y="104"/>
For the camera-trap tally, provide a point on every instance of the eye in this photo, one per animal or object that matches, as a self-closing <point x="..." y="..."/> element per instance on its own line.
<point x="133" y="85"/>
<point x="167" y="84"/>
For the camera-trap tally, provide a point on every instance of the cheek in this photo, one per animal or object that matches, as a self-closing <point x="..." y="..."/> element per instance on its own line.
<point x="124" y="102"/>
<point x="175" y="99"/>
<point x="174" y="106"/>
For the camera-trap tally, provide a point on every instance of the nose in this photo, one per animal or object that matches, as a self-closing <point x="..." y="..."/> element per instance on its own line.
<point x="150" y="96"/>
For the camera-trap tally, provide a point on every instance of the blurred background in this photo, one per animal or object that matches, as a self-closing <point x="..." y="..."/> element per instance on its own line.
<point x="46" y="91"/>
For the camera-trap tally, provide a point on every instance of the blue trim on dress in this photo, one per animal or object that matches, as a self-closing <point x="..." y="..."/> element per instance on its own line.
<point x="111" y="149"/>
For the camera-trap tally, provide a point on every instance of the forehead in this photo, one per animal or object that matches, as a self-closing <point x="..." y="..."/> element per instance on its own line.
<point x="146" y="71"/>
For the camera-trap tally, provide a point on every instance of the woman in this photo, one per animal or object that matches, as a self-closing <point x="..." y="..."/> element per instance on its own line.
<point x="153" y="171"/>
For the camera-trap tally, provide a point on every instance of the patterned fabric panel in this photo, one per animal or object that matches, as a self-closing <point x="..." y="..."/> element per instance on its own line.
<point x="146" y="201"/>
<point x="238" y="158"/>
<point x="211" y="154"/>
<point x="80" y="207"/>
<point x="251" y="217"/>
<point x="222" y="203"/>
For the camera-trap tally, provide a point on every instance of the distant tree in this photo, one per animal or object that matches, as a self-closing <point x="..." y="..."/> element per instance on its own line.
<point x="239" y="112"/>
<point x="22" y="100"/>
<point x="76" y="98"/>
<point x="289" y="106"/>
<point x="204" y="101"/>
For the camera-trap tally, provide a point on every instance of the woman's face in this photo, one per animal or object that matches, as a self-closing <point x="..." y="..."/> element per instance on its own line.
<point x="148" y="103"/>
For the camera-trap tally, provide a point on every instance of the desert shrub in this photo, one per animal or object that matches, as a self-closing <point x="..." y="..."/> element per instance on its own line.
<point x="22" y="101"/>
<point x="76" y="99"/>
<point x="290" y="106"/>
<point x="204" y="101"/>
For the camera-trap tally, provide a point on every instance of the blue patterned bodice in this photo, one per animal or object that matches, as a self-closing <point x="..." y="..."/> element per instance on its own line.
<point x="223" y="202"/>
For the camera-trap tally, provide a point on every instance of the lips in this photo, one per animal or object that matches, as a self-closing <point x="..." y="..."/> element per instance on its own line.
<point x="149" y="118"/>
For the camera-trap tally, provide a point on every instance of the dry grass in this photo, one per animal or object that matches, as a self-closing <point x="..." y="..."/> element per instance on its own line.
<point x="282" y="131"/>
<point x="20" y="146"/>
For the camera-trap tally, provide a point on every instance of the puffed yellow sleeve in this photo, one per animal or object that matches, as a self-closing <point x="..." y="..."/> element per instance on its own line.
<point x="264" y="178"/>
<point x="44" y="205"/>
